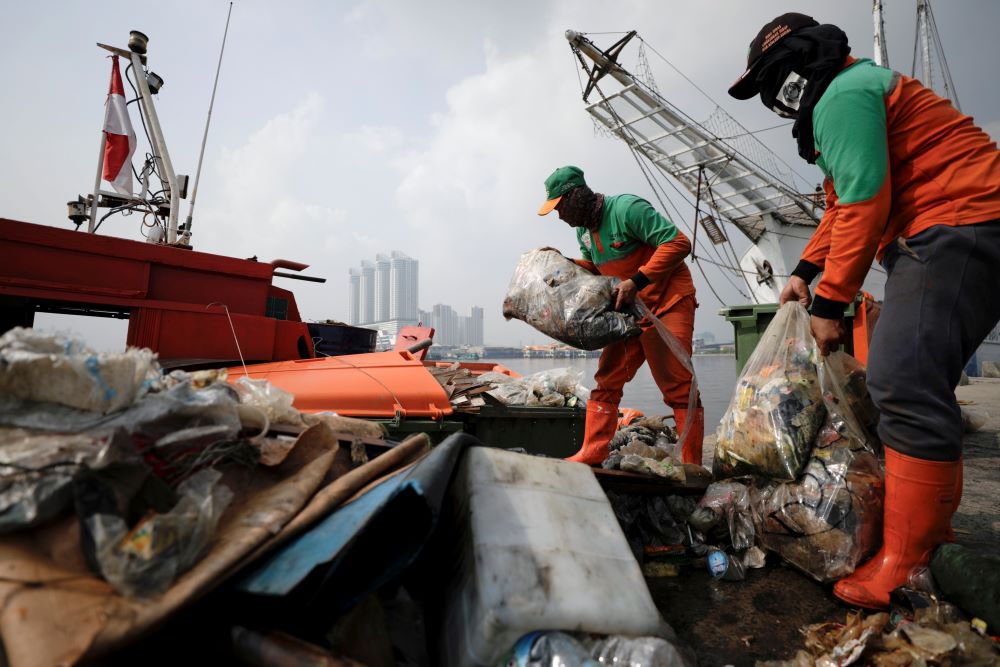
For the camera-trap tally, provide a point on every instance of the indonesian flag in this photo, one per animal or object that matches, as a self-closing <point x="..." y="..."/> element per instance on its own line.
<point x="119" y="144"/>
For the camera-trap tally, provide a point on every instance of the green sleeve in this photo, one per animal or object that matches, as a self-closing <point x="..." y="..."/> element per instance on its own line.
<point x="644" y="223"/>
<point x="850" y="131"/>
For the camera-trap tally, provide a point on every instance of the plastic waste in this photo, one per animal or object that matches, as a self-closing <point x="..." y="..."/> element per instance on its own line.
<point x="145" y="560"/>
<point x="548" y="649"/>
<point x="36" y="366"/>
<point x="647" y="446"/>
<point x="273" y="401"/>
<point x="777" y="408"/>
<point x="537" y="546"/>
<point x="830" y="519"/>
<point x="875" y="639"/>
<point x="717" y="563"/>
<point x="636" y="652"/>
<point x="732" y="501"/>
<point x="971" y="580"/>
<point x="562" y="300"/>
<point x="724" y="566"/>
<point x="37" y="470"/>
<point x="552" y="388"/>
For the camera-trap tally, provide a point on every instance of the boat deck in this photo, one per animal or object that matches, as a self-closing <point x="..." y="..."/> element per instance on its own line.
<point x="739" y="623"/>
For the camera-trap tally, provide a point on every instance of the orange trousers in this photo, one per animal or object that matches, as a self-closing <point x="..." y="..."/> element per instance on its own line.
<point x="620" y="361"/>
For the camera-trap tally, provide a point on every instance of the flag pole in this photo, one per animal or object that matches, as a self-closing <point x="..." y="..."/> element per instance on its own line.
<point x="91" y="225"/>
<point x="97" y="186"/>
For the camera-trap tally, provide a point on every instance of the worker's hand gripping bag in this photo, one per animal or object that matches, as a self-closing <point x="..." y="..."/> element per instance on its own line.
<point x="566" y="302"/>
<point x="777" y="408"/>
<point x="830" y="518"/>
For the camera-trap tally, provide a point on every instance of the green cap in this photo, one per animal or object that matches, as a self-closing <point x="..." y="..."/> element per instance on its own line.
<point x="559" y="183"/>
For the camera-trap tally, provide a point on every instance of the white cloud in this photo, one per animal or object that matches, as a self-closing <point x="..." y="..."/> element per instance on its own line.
<point x="379" y="139"/>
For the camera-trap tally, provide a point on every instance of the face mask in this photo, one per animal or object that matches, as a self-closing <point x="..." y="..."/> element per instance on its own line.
<point x="789" y="96"/>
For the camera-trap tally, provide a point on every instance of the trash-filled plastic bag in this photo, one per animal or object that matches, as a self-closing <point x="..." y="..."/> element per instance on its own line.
<point x="566" y="302"/>
<point x="777" y="407"/>
<point x="145" y="560"/>
<point x="37" y="469"/>
<point x="552" y="388"/>
<point x="732" y="501"/>
<point x="37" y="366"/>
<point x="647" y="446"/>
<point x="830" y="518"/>
<point x="273" y="401"/>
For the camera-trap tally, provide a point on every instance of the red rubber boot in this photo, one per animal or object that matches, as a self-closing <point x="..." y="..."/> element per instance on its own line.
<point x="919" y="501"/>
<point x="691" y="449"/>
<point x="602" y="422"/>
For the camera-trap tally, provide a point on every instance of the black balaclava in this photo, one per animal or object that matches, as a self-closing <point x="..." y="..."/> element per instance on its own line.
<point x="796" y="73"/>
<point x="582" y="207"/>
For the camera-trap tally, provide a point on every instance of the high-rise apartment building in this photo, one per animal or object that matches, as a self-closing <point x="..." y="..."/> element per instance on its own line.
<point x="404" y="284"/>
<point x="384" y="295"/>
<point x="367" y="292"/>
<point x="476" y="326"/>
<point x="354" y="297"/>
<point x="382" y="279"/>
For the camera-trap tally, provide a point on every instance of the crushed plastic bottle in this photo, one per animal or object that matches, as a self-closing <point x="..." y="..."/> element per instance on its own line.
<point x="549" y="649"/>
<point x="723" y="566"/>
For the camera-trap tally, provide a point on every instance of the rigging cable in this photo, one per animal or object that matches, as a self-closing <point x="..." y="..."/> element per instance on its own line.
<point x="653" y="185"/>
<point x="710" y="99"/>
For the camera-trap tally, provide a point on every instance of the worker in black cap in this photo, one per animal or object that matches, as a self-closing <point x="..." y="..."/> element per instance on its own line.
<point x="912" y="182"/>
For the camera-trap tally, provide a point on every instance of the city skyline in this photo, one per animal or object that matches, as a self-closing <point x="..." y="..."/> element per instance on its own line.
<point x="384" y="290"/>
<point x="384" y="294"/>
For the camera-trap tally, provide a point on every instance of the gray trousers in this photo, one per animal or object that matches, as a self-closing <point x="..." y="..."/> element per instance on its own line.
<point x="942" y="298"/>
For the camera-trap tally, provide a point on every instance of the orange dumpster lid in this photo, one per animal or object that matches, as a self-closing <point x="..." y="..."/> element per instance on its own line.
<point x="379" y="384"/>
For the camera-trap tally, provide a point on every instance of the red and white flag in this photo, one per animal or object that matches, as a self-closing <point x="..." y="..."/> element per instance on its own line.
<point x="119" y="142"/>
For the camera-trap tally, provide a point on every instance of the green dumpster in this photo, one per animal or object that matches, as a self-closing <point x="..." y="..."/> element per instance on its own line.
<point x="750" y="321"/>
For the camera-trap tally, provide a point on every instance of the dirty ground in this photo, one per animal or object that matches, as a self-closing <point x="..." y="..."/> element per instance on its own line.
<point x="738" y="623"/>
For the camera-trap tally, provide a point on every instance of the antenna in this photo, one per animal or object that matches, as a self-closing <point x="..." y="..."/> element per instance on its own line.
<point x="208" y="121"/>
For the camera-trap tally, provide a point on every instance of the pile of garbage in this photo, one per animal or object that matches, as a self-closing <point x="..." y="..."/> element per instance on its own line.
<point x="567" y="302"/>
<point x="560" y="649"/>
<point x="648" y="446"/>
<point x="800" y="431"/>
<point x="934" y="633"/>
<point x="553" y="388"/>
<point x="135" y="454"/>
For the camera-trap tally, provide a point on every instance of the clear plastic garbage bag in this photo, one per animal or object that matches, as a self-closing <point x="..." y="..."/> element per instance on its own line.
<point x="777" y="408"/>
<point x="145" y="560"/>
<point x="37" y="366"/>
<point x="830" y="519"/>
<point x="565" y="301"/>
<point x="732" y="501"/>
<point x="552" y="388"/>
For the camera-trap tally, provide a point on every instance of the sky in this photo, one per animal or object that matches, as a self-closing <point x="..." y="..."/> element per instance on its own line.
<point x="345" y="129"/>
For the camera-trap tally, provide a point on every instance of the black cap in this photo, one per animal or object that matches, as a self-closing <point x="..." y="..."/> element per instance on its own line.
<point x="773" y="32"/>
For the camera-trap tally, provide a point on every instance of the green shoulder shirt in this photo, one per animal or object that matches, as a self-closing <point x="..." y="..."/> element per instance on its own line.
<point x="628" y="222"/>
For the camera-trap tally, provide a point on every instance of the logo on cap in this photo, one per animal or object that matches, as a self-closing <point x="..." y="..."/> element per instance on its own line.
<point x="772" y="37"/>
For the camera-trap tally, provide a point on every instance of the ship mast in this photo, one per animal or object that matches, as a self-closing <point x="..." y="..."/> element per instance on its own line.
<point x="878" y="17"/>
<point x="928" y="55"/>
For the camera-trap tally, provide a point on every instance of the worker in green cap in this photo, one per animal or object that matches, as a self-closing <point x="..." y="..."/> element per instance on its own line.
<point x="625" y="237"/>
